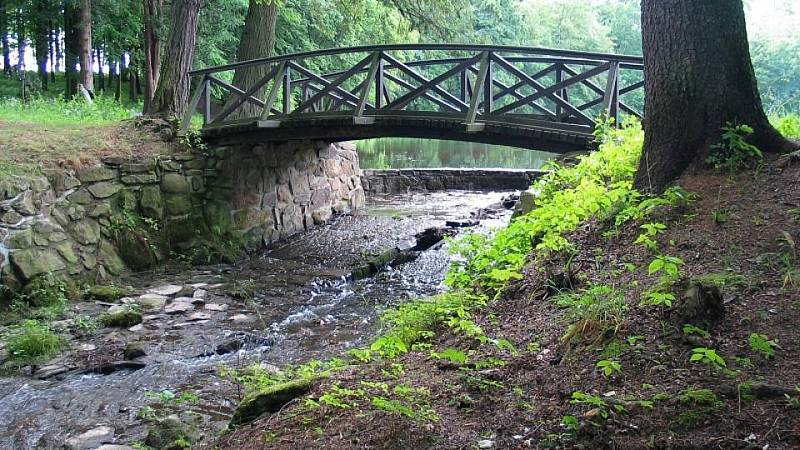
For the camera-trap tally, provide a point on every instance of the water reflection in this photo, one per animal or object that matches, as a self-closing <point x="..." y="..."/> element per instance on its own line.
<point x="405" y="153"/>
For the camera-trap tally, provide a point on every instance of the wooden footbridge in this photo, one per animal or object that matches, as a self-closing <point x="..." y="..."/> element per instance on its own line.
<point x="533" y="98"/>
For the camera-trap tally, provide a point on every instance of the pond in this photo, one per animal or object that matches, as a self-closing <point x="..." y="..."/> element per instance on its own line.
<point x="406" y="153"/>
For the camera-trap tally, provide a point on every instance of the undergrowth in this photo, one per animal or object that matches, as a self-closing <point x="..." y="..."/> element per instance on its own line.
<point x="61" y="112"/>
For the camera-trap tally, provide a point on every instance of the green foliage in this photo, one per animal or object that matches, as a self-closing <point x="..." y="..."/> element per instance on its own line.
<point x="568" y="196"/>
<point x="699" y="397"/>
<point x="647" y="238"/>
<point x="691" y="329"/>
<point x="452" y="355"/>
<point x="593" y="311"/>
<point x="596" y="402"/>
<point x="707" y="356"/>
<point x="609" y="367"/>
<point x="789" y="125"/>
<point x="32" y="341"/>
<point x="734" y="152"/>
<point x="762" y="344"/>
<point x="242" y="289"/>
<point x="668" y="265"/>
<point x="63" y="113"/>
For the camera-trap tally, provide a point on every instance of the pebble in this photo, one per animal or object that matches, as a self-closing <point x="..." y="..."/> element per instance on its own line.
<point x="486" y="443"/>
<point x="242" y="318"/>
<point x="91" y="439"/>
<point x="199" y="316"/>
<point x="170" y="289"/>
<point x="152" y="301"/>
<point x="178" y="307"/>
<point x="216" y="307"/>
<point x="200" y="293"/>
<point x="136" y="328"/>
<point x="88" y="347"/>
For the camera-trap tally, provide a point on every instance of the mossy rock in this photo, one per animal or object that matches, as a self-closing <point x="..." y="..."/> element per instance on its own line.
<point x="700" y="305"/>
<point x="135" y="250"/>
<point x="122" y="319"/>
<point x="270" y="400"/>
<point x="109" y="292"/>
<point x="48" y="290"/>
<point x="172" y="433"/>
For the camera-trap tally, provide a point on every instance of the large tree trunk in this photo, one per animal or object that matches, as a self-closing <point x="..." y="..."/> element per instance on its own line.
<point x="152" y="51"/>
<point x="172" y="94"/>
<point x="4" y="37"/>
<point x="698" y="76"/>
<point x="258" y="41"/>
<point x="84" y="38"/>
<point x="41" y="40"/>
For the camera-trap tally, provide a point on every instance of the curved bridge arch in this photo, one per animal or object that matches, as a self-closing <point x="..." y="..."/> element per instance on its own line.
<point x="542" y="99"/>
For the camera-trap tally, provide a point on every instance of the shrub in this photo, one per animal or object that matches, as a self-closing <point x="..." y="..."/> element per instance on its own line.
<point x="788" y="126"/>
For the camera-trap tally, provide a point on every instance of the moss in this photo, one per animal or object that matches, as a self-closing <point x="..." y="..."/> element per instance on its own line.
<point x="135" y="249"/>
<point x="108" y="292"/>
<point x="724" y="280"/>
<point x="699" y="397"/>
<point x="269" y="400"/>
<point x="49" y="290"/>
<point x="127" y="317"/>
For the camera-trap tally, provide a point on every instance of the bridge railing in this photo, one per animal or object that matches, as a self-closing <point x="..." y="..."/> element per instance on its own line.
<point x="474" y="84"/>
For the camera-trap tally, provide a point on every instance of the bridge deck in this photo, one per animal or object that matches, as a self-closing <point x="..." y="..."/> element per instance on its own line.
<point x="343" y="129"/>
<point x="531" y="98"/>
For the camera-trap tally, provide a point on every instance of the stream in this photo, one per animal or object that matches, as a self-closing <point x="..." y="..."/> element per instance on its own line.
<point x="306" y="304"/>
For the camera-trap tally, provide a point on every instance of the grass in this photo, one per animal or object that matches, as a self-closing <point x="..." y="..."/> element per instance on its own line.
<point x="32" y="341"/>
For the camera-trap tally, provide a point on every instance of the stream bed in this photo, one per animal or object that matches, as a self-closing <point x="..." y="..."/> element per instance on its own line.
<point x="301" y="301"/>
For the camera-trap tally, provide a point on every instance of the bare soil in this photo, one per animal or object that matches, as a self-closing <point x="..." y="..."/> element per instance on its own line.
<point x="745" y="225"/>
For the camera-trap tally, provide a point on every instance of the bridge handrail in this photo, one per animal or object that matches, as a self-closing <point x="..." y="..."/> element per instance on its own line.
<point x="591" y="56"/>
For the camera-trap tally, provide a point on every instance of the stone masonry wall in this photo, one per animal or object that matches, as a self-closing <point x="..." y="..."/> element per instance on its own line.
<point x="397" y="181"/>
<point x="277" y="189"/>
<point x="64" y="222"/>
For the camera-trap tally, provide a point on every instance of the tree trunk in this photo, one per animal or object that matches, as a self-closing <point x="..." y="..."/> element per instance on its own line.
<point x="100" y="74"/>
<point x="59" y="50"/>
<point x="152" y="51"/>
<point x="4" y="37"/>
<point x="51" y="44"/>
<point x="258" y="41"/>
<point x="84" y="38"/>
<point x="41" y="40"/>
<point x="698" y="76"/>
<point x="70" y="49"/>
<point x="133" y="84"/>
<point x="22" y="40"/>
<point x="172" y="94"/>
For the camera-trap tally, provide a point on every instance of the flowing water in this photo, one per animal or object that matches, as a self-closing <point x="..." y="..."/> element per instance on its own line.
<point x="305" y="307"/>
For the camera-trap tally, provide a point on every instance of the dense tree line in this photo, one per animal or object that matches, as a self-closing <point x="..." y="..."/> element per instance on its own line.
<point x="152" y="43"/>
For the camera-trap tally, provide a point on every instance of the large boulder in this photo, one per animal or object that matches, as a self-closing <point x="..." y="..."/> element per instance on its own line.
<point x="29" y="263"/>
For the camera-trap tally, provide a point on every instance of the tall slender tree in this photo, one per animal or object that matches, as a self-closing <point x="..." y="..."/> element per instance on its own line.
<point x="22" y="38"/>
<point x="4" y="32"/>
<point x="70" y="48"/>
<point x="152" y="51"/>
<point x="172" y="94"/>
<point x="698" y="77"/>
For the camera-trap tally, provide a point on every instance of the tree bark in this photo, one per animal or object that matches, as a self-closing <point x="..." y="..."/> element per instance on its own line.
<point x="22" y="40"/>
<point x="70" y="49"/>
<point x="172" y="94"/>
<point x="258" y="41"/>
<point x="84" y="42"/>
<point x="698" y="76"/>
<point x="41" y="40"/>
<point x="152" y="51"/>
<point x="4" y="37"/>
<point x="51" y="48"/>
<point x="101" y="76"/>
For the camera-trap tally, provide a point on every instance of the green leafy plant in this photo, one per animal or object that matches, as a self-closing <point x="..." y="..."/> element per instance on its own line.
<point x="669" y="265"/>
<point x="762" y="344"/>
<point x="707" y="356"/>
<point x="609" y="367"/>
<point x="647" y="238"/>
<point x="691" y="329"/>
<point x="734" y="152"/>
<point x="593" y="312"/>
